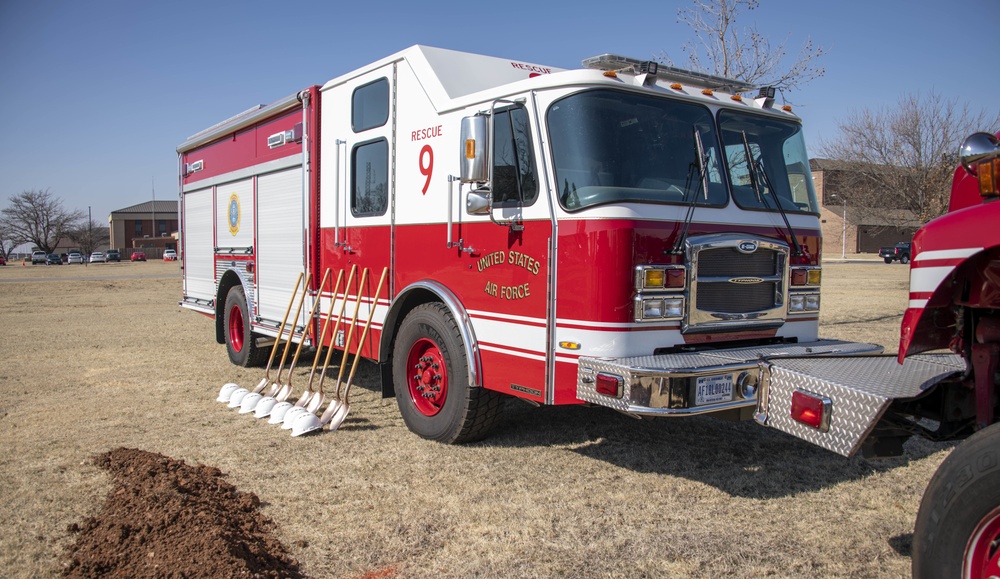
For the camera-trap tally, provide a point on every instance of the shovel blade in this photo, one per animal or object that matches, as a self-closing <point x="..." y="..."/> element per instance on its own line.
<point x="261" y="385"/>
<point x="339" y="416"/>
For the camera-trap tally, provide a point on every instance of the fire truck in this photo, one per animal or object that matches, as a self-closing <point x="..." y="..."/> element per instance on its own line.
<point x="626" y="235"/>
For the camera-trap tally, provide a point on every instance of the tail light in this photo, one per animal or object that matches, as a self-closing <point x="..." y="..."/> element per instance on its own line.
<point x="811" y="409"/>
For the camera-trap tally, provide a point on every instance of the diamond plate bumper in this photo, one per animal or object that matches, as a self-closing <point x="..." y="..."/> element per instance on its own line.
<point x="859" y="389"/>
<point x="666" y="385"/>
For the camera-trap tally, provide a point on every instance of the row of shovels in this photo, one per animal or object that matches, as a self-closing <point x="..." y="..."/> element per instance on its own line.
<point x="271" y="397"/>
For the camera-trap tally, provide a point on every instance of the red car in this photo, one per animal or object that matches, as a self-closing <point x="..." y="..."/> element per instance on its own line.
<point x="3" y="261"/>
<point x="138" y="256"/>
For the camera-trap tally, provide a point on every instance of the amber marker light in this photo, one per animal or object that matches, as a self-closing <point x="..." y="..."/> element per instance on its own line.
<point x="566" y="345"/>
<point x="737" y="98"/>
<point x="654" y="278"/>
<point x="610" y="74"/>
<point x="988" y="172"/>
<point x="470" y="149"/>
<point x="787" y="108"/>
<point x="676" y="86"/>
<point x="707" y="92"/>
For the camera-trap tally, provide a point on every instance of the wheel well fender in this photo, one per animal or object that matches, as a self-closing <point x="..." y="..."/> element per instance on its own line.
<point x="230" y="279"/>
<point x="423" y="292"/>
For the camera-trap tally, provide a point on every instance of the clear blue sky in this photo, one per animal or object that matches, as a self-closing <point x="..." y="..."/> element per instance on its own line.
<point x="95" y="96"/>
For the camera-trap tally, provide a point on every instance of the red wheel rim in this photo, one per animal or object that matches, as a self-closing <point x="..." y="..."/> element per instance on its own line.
<point x="427" y="377"/>
<point x="982" y="556"/>
<point x="236" y="328"/>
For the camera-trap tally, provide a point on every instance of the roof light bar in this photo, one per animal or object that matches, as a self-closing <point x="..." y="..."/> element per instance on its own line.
<point x="620" y="63"/>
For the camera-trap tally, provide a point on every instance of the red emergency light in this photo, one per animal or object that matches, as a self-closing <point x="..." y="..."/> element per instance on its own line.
<point x="811" y="409"/>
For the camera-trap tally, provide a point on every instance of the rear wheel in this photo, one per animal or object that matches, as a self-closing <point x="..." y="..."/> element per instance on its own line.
<point x="430" y="371"/>
<point x="957" y="533"/>
<point x="240" y="341"/>
<point x="905" y="259"/>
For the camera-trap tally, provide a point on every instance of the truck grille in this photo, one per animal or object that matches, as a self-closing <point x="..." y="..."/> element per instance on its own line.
<point x="734" y="288"/>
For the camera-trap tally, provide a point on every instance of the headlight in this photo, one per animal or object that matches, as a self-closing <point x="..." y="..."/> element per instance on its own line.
<point x="660" y="308"/>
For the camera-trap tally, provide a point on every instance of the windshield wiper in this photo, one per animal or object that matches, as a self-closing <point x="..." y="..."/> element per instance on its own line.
<point x="701" y="164"/>
<point x="755" y="165"/>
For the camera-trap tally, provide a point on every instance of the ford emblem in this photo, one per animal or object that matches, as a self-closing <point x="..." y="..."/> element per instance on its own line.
<point x="746" y="280"/>
<point x="747" y="246"/>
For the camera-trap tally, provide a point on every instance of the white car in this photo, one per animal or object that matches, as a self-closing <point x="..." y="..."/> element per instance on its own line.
<point x="97" y="257"/>
<point x="74" y="257"/>
<point x="170" y="255"/>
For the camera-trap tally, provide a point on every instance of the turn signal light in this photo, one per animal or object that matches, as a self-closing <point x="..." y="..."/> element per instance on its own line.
<point x="609" y="385"/>
<point x="811" y="409"/>
<point x="989" y="174"/>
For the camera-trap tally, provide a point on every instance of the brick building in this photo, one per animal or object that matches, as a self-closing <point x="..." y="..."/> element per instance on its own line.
<point x="151" y="225"/>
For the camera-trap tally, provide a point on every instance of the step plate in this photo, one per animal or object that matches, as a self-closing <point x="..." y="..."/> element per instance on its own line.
<point x="859" y="388"/>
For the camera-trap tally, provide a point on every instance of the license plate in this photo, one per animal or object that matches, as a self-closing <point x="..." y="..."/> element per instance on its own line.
<point x="713" y="389"/>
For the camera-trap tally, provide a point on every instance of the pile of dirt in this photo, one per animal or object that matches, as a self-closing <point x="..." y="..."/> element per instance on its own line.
<point x="164" y="518"/>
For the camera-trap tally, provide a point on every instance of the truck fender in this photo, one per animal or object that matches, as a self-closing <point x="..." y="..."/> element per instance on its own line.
<point x="229" y="279"/>
<point x="421" y="292"/>
<point x="949" y="249"/>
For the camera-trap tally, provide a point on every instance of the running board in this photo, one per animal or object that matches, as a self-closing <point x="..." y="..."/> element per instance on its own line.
<point x="855" y="390"/>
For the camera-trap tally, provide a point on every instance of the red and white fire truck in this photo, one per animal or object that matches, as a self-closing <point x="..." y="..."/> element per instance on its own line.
<point x="625" y="235"/>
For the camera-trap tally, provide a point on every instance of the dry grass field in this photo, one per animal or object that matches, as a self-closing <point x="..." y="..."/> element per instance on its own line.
<point x="100" y="357"/>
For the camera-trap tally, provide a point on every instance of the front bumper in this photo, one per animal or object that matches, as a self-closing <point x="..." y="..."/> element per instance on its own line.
<point x="692" y="383"/>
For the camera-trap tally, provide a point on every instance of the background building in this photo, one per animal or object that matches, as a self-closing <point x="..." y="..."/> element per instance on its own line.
<point x="849" y="230"/>
<point x="151" y="226"/>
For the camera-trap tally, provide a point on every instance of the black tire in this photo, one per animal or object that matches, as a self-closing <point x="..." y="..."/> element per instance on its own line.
<point x="457" y="412"/>
<point x="887" y="259"/>
<point x="241" y="343"/>
<point x="905" y="259"/>
<point x="961" y="500"/>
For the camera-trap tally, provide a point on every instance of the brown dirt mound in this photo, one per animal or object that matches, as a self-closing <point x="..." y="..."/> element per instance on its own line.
<point x="164" y="518"/>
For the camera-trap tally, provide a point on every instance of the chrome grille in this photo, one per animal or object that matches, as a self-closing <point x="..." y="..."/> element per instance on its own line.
<point x="733" y="289"/>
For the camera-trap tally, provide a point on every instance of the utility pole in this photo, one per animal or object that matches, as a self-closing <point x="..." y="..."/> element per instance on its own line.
<point x="90" y="234"/>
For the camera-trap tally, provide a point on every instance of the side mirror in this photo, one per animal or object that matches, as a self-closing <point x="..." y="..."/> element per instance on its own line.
<point x="475" y="161"/>
<point x="477" y="202"/>
<point x="977" y="147"/>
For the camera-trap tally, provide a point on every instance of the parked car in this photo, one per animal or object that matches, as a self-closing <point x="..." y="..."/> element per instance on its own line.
<point x="3" y="260"/>
<point x="138" y="256"/>
<point x="74" y="257"/>
<point x="97" y="257"/>
<point x="38" y="257"/>
<point x="113" y="255"/>
<point x="900" y="251"/>
<point x="170" y="255"/>
<point x="53" y="259"/>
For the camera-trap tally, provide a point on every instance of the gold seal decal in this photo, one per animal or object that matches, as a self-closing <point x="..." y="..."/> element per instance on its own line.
<point x="234" y="214"/>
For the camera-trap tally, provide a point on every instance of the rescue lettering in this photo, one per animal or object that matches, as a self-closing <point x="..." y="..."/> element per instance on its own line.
<point x="428" y="133"/>
<point x="531" y="68"/>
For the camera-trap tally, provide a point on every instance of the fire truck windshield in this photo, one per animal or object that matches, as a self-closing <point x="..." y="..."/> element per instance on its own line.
<point x="612" y="146"/>
<point x="779" y="153"/>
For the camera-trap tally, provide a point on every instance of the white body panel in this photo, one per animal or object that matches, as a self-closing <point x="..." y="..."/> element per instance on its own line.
<point x="199" y="241"/>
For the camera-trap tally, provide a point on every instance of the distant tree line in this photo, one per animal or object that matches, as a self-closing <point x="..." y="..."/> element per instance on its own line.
<point x="38" y="217"/>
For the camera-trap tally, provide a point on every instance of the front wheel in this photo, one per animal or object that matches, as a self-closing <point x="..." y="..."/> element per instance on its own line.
<point x="957" y="533"/>
<point x="240" y="342"/>
<point x="430" y="371"/>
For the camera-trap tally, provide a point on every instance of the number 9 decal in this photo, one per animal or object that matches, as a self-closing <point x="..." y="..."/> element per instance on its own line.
<point x="426" y="169"/>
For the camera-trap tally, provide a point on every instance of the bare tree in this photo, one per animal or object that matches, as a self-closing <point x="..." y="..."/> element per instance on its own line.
<point x="89" y="236"/>
<point x="903" y="157"/>
<point x="38" y="217"/>
<point x="723" y="48"/>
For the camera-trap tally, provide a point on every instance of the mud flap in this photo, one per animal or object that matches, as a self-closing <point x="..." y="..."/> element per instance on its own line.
<point x="857" y="389"/>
